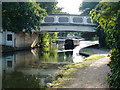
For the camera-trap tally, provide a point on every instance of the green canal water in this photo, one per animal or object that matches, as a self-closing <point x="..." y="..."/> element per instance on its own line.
<point x="33" y="68"/>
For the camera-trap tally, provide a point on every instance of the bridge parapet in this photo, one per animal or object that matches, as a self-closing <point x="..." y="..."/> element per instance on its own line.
<point x="67" y="19"/>
<point x="67" y="23"/>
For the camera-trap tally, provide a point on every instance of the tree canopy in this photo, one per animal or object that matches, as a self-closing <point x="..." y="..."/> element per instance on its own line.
<point x="19" y="16"/>
<point x="107" y="15"/>
<point x="86" y="7"/>
<point x="27" y="16"/>
<point x="51" y="7"/>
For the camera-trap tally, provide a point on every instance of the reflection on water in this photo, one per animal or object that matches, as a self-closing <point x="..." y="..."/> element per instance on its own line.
<point x="19" y="80"/>
<point x="33" y="69"/>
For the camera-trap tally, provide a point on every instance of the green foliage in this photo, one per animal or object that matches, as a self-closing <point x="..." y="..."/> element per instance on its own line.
<point x="61" y="34"/>
<point x="102" y="38"/>
<point x="47" y="38"/>
<point x="52" y="37"/>
<point x="51" y="7"/>
<point x="19" y="16"/>
<point x="87" y="50"/>
<point x="86" y="7"/>
<point x="88" y="35"/>
<point x="94" y="57"/>
<point x="48" y="6"/>
<point x="108" y="16"/>
<point x="26" y="16"/>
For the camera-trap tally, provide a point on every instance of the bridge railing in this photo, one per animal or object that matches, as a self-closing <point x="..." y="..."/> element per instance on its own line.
<point x="65" y="19"/>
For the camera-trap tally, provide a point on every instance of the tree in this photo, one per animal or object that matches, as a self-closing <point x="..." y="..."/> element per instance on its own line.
<point x="86" y="7"/>
<point x="102" y="37"/>
<point x="19" y="16"/>
<point x="27" y="16"/>
<point x="88" y="35"/>
<point x="107" y="15"/>
<point x="51" y="8"/>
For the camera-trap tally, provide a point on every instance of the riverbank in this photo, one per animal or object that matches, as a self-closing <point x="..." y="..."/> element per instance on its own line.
<point x="93" y="50"/>
<point x="91" y="73"/>
<point x="9" y="49"/>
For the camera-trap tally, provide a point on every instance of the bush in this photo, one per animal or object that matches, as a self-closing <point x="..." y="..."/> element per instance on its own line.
<point x="107" y="14"/>
<point x="89" y="35"/>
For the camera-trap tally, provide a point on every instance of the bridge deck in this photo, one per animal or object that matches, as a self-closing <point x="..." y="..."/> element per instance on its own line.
<point x="67" y="23"/>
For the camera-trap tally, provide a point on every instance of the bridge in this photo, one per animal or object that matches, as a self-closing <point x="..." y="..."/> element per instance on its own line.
<point x="51" y="23"/>
<point x="67" y="23"/>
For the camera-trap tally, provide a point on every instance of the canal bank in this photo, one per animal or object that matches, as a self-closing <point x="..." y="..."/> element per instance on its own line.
<point x="91" y="73"/>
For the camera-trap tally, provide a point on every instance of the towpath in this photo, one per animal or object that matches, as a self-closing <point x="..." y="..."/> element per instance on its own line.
<point x="93" y="76"/>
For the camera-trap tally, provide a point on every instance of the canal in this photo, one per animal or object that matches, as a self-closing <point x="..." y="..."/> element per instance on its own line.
<point x="34" y="68"/>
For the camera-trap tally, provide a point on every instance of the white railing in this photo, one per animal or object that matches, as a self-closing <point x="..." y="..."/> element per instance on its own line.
<point x="73" y="19"/>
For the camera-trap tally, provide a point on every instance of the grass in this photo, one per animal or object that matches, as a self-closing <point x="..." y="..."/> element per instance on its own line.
<point x="87" y="50"/>
<point x="105" y="49"/>
<point x="67" y="72"/>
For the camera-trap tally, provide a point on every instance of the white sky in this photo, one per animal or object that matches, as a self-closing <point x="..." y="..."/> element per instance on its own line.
<point x="70" y="6"/>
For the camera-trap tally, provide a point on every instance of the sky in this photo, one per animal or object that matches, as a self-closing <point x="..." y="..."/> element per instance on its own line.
<point x="70" y="6"/>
